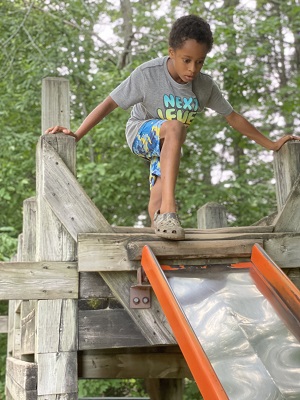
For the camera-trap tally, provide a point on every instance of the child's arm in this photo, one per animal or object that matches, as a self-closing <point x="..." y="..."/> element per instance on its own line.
<point x="101" y="111"/>
<point x="242" y="125"/>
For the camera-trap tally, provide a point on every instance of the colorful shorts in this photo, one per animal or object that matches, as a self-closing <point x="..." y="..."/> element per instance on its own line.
<point x="147" y="145"/>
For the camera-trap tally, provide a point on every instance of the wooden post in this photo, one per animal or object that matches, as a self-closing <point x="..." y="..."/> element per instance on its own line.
<point x="56" y="320"/>
<point x="286" y="169"/>
<point x="212" y="215"/>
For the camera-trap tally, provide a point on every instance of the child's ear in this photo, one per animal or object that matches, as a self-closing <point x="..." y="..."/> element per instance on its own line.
<point x="171" y="52"/>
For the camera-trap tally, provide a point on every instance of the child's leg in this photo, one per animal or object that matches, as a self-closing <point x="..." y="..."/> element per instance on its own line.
<point x="155" y="199"/>
<point x="172" y="135"/>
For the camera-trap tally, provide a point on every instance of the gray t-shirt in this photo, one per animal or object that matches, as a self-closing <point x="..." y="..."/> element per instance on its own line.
<point x="154" y="94"/>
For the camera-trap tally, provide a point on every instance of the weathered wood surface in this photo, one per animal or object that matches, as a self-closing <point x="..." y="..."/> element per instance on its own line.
<point x="29" y="230"/>
<point x="24" y="373"/>
<point x="69" y="202"/>
<point x="288" y="219"/>
<point x="284" y="250"/>
<point x="192" y="231"/>
<point x="93" y="364"/>
<point x="3" y="324"/>
<point x="21" y="379"/>
<point x="152" y="322"/>
<point x="54" y="243"/>
<point x="56" y="373"/>
<point x="38" y="280"/>
<point x="100" y="329"/>
<point x="286" y="169"/>
<point x="57" y="332"/>
<point x="28" y="327"/>
<point x="211" y="215"/>
<point x="56" y="347"/>
<point x="116" y="252"/>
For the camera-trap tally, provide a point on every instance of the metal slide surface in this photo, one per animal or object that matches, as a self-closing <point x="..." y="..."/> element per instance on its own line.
<point x="238" y="326"/>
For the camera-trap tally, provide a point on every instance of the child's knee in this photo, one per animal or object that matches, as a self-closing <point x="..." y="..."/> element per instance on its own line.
<point x="174" y="130"/>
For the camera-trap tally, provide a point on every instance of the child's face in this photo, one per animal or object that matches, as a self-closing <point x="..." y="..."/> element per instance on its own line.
<point x="187" y="61"/>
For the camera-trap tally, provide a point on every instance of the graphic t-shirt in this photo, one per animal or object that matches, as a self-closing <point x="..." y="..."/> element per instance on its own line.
<point x="154" y="94"/>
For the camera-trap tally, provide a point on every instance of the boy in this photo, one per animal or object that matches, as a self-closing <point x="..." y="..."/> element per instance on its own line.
<point x="166" y="94"/>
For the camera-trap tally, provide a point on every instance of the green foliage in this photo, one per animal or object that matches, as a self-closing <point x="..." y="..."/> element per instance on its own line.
<point x="255" y="61"/>
<point x="112" y="387"/>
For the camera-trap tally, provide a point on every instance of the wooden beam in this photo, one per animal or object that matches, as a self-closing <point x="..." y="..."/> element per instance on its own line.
<point x="21" y="379"/>
<point x="67" y="199"/>
<point x="24" y="373"/>
<point x="56" y="373"/>
<point x="288" y="219"/>
<point x="284" y="250"/>
<point x="124" y="365"/>
<point x="101" y="329"/>
<point x="38" y="280"/>
<point x="286" y="169"/>
<point x="116" y="252"/>
<point x="28" y="327"/>
<point x="54" y="243"/>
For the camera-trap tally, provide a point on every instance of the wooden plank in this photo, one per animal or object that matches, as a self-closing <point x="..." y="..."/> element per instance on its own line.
<point x="100" y="329"/>
<point x="231" y="229"/>
<point x="28" y="327"/>
<point x="284" y="251"/>
<point x="132" y="365"/>
<point x="69" y="202"/>
<point x="36" y="280"/>
<point x="23" y="373"/>
<point x="116" y="252"/>
<point x="152" y="321"/>
<point x="56" y="373"/>
<point x="3" y="324"/>
<point x="286" y="169"/>
<point x="15" y="392"/>
<point x="29" y="230"/>
<point x="288" y="220"/>
<point x="56" y="330"/>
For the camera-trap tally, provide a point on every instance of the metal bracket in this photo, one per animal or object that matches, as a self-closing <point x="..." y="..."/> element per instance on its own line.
<point x="140" y="294"/>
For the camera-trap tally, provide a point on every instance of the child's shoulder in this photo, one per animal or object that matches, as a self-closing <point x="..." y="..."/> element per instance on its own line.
<point x="155" y="62"/>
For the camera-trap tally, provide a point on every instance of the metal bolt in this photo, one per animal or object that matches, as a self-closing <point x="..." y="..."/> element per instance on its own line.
<point x="136" y="300"/>
<point x="146" y="300"/>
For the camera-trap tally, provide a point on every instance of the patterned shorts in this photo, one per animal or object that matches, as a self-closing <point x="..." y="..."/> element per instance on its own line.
<point x="147" y="145"/>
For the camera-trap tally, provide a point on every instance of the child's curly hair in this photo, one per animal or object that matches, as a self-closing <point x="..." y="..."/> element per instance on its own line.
<point x="190" y="27"/>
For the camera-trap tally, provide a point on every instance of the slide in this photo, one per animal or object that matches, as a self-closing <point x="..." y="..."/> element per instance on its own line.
<point x="238" y="326"/>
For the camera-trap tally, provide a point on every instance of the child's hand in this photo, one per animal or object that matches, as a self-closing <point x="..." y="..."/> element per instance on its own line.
<point x="280" y="142"/>
<point x="58" y="129"/>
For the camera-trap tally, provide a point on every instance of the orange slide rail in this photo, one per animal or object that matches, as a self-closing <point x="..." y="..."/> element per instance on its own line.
<point x="200" y="366"/>
<point x="279" y="286"/>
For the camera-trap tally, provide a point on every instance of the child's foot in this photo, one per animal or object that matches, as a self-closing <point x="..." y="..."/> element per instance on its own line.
<point x="168" y="226"/>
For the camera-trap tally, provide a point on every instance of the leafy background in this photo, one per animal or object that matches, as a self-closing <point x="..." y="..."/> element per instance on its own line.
<point x="96" y="44"/>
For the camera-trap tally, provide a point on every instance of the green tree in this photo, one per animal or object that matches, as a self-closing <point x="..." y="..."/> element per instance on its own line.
<point x="255" y="60"/>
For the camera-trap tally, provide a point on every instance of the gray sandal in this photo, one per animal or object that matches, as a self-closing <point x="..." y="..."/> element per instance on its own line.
<point x="168" y="226"/>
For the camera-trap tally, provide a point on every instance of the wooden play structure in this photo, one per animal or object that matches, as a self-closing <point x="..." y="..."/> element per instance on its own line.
<point x="78" y="305"/>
